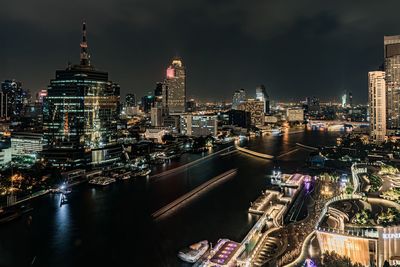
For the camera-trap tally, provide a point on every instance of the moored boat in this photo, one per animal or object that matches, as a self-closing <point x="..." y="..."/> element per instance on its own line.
<point x="144" y="172"/>
<point x="103" y="181"/>
<point x="194" y="252"/>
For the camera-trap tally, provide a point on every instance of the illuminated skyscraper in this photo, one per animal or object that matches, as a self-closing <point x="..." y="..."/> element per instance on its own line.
<point x="80" y="116"/>
<point x="377" y="104"/>
<point x="13" y="99"/>
<point x="147" y="103"/>
<point x="238" y="97"/>
<point x="191" y="105"/>
<point x="256" y="110"/>
<point x="351" y="99"/>
<point x="130" y="100"/>
<point x="158" y="95"/>
<point x="392" y="69"/>
<point x="344" y="100"/>
<point x="174" y="89"/>
<point x="261" y="95"/>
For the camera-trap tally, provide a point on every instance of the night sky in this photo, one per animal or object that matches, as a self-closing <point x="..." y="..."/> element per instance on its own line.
<point x="296" y="48"/>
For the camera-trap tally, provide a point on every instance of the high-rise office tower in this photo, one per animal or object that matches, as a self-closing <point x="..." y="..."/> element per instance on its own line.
<point x="13" y="99"/>
<point x="191" y="105"/>
<point x="351" y="99"/>
<point x="174" y="89"/>
<point x="158" y="94"/>
<point x="312" y="105"/>
<point x="156" y="115"/>
<point x="239" y="96"/>
<point x="147" y="103"/>
<point x="377" y="104"/>
<point x="261" y="95"/>
<point x="344" y="100"/>
<point x="158" y="91"/>
<point x="80" y="116"/>
<point x="392" y="70"/>
<point x="41" y="95"/>
<point x="130" y="100"/>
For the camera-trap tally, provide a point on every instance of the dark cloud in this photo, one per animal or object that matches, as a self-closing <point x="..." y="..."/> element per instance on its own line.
<point x="297" y="48"/>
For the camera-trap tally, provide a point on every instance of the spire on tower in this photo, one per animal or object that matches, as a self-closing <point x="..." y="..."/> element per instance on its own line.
<point x="85" y="58"/>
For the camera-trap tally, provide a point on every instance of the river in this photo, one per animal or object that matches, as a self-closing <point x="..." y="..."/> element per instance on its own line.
<point x="113" y="225"/>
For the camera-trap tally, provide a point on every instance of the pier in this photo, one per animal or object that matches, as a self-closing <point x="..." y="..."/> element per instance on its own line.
<point x="192" y="193"/>
<point x="259" y="206"/>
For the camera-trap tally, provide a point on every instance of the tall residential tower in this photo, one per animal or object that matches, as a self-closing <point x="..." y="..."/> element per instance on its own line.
<point x="377" y="104"/>
<point x="392" y="69"/>
<point x="174" y="89"/>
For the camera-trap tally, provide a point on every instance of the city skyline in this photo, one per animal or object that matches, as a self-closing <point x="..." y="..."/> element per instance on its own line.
<point x="339" y="43"/>
<point x="210" y="133"/>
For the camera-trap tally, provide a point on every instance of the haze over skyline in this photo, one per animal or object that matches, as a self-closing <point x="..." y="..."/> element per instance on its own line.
<point x="296" y="48"/>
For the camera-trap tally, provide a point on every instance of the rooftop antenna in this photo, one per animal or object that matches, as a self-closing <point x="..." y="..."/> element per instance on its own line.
<point x="84" y="56"/>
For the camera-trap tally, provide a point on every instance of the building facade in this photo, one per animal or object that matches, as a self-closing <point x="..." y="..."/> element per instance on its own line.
<point x="202" y="125"/>
<point x="5" y="152"/>
<point x="239" y="96"/>
<point x="295" y="114"/>
<point x="256" y="109"/>
<point x="13" y="99"/>
<point x="377" y="105"/>
<point x="191" y="105"/>
<point x="147" y="103"/>
<point x="130" y="100"/>
<point x="174" y="87"/>
<point x="80" y="116"/>
<point x="25" y="144"/>
<point x="239" y="118"/>
<point x="392" y="77"/>
<point x="261" y="95"/>
<point x="156" y="116"/>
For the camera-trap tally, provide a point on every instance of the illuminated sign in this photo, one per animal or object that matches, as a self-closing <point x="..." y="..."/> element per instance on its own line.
<point x="391" y="236"/>
<point x="170" y="72"/>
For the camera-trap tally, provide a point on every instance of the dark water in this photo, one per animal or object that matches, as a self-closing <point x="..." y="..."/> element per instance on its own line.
<point x="113" y="226"/>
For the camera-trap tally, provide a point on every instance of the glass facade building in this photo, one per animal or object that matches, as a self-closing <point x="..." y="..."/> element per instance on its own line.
<point x="261" y="95"/>
<point x="239" y="96"/>
<point x="392" y="69"/>
<point x="13" y="100"/>
<point x="80" y="116"/>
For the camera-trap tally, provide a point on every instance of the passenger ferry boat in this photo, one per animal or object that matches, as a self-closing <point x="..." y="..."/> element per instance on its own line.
<point x="103" y="181"/>
<point x="194" y="252"/>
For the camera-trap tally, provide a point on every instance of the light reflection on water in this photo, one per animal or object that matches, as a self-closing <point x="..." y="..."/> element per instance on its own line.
<point x="62" y="223"/>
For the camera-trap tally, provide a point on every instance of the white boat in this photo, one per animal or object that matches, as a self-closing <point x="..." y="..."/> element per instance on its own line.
<point x="194" y="252"/>
<point x="103" y="181"/>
